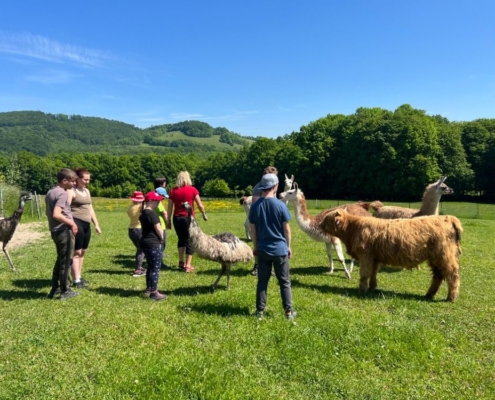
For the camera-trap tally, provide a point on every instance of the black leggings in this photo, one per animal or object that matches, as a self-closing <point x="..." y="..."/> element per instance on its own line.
<point x="181" y="226"/>
<point x="83" y="234"/>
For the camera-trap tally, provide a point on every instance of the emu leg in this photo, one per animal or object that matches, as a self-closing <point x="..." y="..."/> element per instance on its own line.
<point x="229" y="265"/>
<point x="436" y="281"/>
<point x="214" y="286"/>
<point x="340" y="254"/>
<point x="8" y="258"/>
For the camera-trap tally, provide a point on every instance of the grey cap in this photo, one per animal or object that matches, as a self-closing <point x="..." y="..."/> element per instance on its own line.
<point x="268" y="181"/>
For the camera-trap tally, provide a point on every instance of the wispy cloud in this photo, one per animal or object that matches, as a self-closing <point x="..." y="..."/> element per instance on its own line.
<point x="42" y="48"/>
<point x="184" y="116"/>
<point x="52" y="77"/>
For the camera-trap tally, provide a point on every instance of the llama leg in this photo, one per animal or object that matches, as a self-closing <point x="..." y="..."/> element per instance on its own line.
<point x="8" y="258"/>
<point x="436" y="281"/>
<point x="454" y="281"/>
<point x="214" y="286"/>
<point x="247" y="229"/>
<point x="329" y="254"/>
<point x="340" y="254"/>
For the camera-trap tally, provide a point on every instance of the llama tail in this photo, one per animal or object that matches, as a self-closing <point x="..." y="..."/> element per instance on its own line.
<point x="456" y="224"/>
<point x="376" y="205"/>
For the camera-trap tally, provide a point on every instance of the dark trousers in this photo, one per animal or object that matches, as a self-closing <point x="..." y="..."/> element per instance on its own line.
<point x="135" y="236"/>
<point x="64" y="242"/>
<point x="154" y="259"/>
<point x="181" y="226"/>
<point x="281" y="266"/>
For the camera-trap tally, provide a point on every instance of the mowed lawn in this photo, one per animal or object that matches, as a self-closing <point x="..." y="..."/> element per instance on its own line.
<point x="112" y="343"/>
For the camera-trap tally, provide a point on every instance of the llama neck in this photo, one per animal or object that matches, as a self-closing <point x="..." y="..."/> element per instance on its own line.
<point x="302" y="217"/>
<point x="431" y="203"/>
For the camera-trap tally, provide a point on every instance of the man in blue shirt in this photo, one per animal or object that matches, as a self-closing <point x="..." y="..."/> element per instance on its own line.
<point x="270" y="232"/>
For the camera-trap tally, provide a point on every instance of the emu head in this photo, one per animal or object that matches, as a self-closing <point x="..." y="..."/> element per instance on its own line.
<point x="188" y="208"/>
<point x="288" y="182"/>
<point x="24" y="196"/>
<point x="291" y="194"/>
<point x="441" y="188"/>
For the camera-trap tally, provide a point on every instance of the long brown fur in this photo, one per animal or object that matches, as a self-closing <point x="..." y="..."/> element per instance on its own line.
<point x="402" y="243"/>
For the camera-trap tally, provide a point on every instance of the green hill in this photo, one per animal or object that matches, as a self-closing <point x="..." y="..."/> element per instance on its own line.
<point x="44" y="134"/>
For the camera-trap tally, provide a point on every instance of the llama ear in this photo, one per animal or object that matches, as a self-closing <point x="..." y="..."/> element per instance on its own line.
<point x="286" y="176"/>
<point x="296" y="186"/>
<point x="292" y="178"/>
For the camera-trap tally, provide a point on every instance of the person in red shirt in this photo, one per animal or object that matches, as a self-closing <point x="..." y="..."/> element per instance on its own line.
<point x="184" y="191"/>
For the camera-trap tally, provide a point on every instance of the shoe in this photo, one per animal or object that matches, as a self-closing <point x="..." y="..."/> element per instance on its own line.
<point x="139" y="272"/>
<point x="80" y="285"/>
<point x="157" y="296"/>
<point x="181" y="265"/>
<point x="53" y="293"/>
<point x="188" y="268"/>
<point x="290" y="314"/>
<point x="165" y="266"/>
<point x="254" y="272"/>
<point x="68" y="294"/>
<point x="259" y="315"/>
<point x="147" y="293"/>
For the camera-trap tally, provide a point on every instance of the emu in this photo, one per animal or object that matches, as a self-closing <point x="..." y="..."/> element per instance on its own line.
<point x="225" y="248"/>
<point x="311" y="225"/>
<point x="430" y="203"/>
<point x="9" y="225"/>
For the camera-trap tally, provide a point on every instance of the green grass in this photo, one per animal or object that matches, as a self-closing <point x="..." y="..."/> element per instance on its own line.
<point x="111" y="343"/>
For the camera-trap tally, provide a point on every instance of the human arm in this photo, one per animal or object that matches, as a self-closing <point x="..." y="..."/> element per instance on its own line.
<point x="201" y="207"/>
<point x="70" y="195"/>
<point x="287" y="235"/>
<point x="254" y="238"/>
<point x="58" y="216"/>
<point x="169" y="212"/>
<point x="95" y="220"/>
<point x="159" y="231"/>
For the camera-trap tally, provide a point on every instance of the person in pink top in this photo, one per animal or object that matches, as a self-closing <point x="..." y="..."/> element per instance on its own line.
<point x="184" y="191"/>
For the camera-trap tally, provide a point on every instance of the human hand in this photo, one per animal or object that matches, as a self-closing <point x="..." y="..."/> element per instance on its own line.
<point x="73" y="228"/>
<point x="205" y="218"/>
<point x="289" y="254"/>
<point x="97" y="229"/>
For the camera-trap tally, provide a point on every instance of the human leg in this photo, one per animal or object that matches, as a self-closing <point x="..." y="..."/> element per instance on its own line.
<point x="281" y="264"/>
<point x="154" y="259"/>
<point x="264" y="273"/>
<point x="135" y="236"/>
<point x="64" y="242"/>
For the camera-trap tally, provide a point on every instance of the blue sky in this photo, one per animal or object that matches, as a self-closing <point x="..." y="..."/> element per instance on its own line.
<point x="258" y="68"/>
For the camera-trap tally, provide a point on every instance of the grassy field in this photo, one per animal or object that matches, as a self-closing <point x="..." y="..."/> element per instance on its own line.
<point x="111" y="343"/>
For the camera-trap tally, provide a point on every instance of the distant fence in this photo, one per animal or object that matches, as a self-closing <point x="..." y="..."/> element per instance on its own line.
<point x="33" y="208"/>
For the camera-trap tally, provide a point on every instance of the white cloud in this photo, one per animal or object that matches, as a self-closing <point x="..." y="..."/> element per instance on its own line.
<point x="42" y="48"/>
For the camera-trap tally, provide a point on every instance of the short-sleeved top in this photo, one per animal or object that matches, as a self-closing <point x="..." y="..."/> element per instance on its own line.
<point x="159" y="212"/>
<point x="257" y="192"/>
<point x="81" y="205"/>
<point x="180" y="195"/>
<point x="149" y="238"/>
<point x="269" y="214"/>
<point x="134" y="212"/>
<point x="57" y="197"/>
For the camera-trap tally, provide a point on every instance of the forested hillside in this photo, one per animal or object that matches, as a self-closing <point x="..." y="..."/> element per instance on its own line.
<point x="371" y="154"/>
<point x="44" y="134"/>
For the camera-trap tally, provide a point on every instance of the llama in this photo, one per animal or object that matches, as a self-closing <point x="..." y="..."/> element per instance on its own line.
<point x="402" y="243"/>
<point x="9" y="225"/>
<point x="246" y="202"/>
<point x="430" y="203"/>
<point x="225" y="248"/>
<point x="310" y="225"/>
<point x="288" y="185"/>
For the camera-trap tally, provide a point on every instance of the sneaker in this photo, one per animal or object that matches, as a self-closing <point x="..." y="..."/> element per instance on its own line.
<point x="80" y="285"/>
<point x="53" y="293"/>
<point x="290" y="314"/>
<point x="68" y="294"/>
<point x="139" y="272"/>
<point x="259" y="315"/>
<point x="157" y="296"/>
<point x="254" y="272"/>
<point x="181" y="265"/>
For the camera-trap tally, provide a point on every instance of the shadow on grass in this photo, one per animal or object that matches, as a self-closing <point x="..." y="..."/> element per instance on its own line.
<point x="233" y="272"/>
<point x="222" y="310"/>
<point x="124" y="260"/>
<point x="110" y="291"/>
<point x="354" y="292"/>
<point x="190" y="291"/>
<point x="16" y="295"/>
<point x="111" y="271"/>
<point x="314" y="270"/>
<point x="35" y="284"/>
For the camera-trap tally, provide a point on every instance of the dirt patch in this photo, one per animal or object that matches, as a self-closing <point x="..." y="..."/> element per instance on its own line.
<point x="28" y="234"/>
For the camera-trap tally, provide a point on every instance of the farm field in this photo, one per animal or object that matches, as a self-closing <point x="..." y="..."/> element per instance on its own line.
<point x="112" y="343"/>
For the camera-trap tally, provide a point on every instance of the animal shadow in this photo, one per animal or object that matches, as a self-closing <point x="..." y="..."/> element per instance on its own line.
<point x="190" y="291"/>
<point x="223" y="310"/>
<point x="111" y="271"/>
<point x="127" y="261"/>
<point x="313" y="270"/>
<point x="233" y="272"/>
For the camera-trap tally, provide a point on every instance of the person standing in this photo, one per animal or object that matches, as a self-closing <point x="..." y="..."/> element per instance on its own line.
<point x="160" y="184"/>
<point x="255" y="195"/>
<point x="271" y="235"/>
<point x="79" y="199"/>
<point x="135" y="231"/>
<point x="184" y="191"/>
<point x="62" y="230"/>
<point x="151" y="243"/>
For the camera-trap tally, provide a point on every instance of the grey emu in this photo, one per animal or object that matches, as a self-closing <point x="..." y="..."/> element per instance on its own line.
<point x="8" y="225"/>
<point x="225" y="248"/>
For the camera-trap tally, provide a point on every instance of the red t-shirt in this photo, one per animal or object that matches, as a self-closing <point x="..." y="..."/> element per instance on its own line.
<point x="179" y="196"/>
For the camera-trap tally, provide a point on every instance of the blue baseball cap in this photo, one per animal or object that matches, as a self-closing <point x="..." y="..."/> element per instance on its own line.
<point x="268" y="181"/>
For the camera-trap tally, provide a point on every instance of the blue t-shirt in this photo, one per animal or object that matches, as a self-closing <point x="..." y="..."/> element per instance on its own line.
<point x="269" y="215"/>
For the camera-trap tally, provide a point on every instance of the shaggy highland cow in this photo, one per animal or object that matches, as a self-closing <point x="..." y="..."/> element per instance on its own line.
<point x="402" y="243"/>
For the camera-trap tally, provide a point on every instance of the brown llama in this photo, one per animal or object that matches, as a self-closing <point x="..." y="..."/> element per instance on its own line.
<point x="310" y="225"/>
<point x="430" y="203"/>
<point x="401" y="242"/>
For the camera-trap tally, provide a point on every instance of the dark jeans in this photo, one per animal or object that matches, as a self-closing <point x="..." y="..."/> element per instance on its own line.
<point x="135" y="236"/>
<point x="154" y="259"/>
<point x="64" y="242"/>
<point x="281" y="266"/>
<point x="181" y="226"/>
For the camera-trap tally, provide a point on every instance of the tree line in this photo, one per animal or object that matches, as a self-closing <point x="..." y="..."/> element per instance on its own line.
<point x="371" y="154"/>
